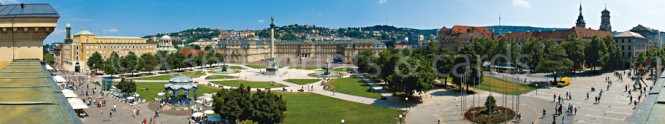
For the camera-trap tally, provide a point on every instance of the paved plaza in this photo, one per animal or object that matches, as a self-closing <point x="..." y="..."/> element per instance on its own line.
<point x="614" y="106"/>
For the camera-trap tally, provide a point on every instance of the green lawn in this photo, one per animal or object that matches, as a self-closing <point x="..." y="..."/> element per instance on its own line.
<point x="306" y="67"/>
<point x="343" y="69"/>
<point x="354" y="86"/>
<point x="219" y="77"/>
<point x="503" y="86"/>
<point x="259" y="66"/>
<point x="156" y="87"/>
<point x="169" y="76"/>
<point x="302" y="81"/>
<point x="236" y="83"/>
<point x="310" y="108"/>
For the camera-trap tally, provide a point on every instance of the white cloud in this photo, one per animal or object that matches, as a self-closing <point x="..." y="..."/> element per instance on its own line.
<point x="112" y="30"/>
<point x="383" y="1"/>
<point x="260" y="21"/>
<point x="522" y="3"/>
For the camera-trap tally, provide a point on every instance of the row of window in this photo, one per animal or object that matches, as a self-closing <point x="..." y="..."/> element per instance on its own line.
<point x="117" y="47"/>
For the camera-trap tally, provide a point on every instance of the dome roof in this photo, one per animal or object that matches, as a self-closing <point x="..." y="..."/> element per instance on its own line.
<point x="165" y="37"/>
<point x="180" y="82"/>
<point x="84" y="32"/>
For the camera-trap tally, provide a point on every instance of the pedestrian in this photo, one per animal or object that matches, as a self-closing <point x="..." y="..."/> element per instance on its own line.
<point x="626" y="88"/>
<point x="544" y="113"/>
<point x="631" y="99"/>
<point x="575" y="110"/>
<point x="110" y="114"/>
<point x="639" y="98"/>
<point x="554" y="97"/>
<point x="134" y="112"/>
<point x="587" y="95"/>
<point x="144" y="121"/>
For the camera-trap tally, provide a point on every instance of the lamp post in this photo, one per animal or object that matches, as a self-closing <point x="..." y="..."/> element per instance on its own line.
<point x="400" y="118"/>
<point x="342" y="121"/>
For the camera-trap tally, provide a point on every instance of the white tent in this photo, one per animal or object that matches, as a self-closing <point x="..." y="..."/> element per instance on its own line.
<point x="197" y="114"/>
<point x="59" y="79"/>
<point x="208" y="112"/>
<point x="77" y="103"/>
<point x="48" y="67"/>
<point x="69" y="93"/>
<point x="377" y="88"/>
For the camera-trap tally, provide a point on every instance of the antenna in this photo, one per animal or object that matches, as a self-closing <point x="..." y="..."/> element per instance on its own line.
<point x="499" y="19"/>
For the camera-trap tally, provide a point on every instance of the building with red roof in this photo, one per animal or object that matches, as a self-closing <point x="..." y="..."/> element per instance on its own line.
<point x="460" y="35"/>
<point x="187" y="52"/>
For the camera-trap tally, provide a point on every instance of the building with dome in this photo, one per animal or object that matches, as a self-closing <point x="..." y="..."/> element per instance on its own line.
<point x="165" y="43"/>
<point x="79" y="47"/>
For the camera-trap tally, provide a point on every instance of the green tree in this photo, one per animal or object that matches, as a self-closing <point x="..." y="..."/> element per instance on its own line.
<point x="150" y="62"/>
<point x="49" y="58"/>
<point x="176" y="60"/>
<point x="130" y="63"/>
<point x="596" y="53"/>
<point x="268" y="108"/>
<point x="95" y="61"/>
<point x="615" y="54"/>
<point x="556" y="60"/>
<point x="535" y="51"/>
<point x="111" y="65"/>
<point x="490" y="104"/>
<point x="127" y="86"/>
<point x="574" y="48"/>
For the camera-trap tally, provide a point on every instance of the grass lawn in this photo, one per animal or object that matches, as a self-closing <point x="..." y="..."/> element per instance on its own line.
<point x="302" y="81"/>
<point x="354" y="86"/>
<point x="156" y="87"/>
<point x="306" y="67"/>
<point x="310" y="108"/>
<point x="219" y="77"/>
<point x="169" y="76"/>
<point x="343" y="69"/>
<point x="503" y="86"/>
<point x="236" y="83"/>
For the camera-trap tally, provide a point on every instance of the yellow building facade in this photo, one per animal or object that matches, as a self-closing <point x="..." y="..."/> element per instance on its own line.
<point x="74" y="55"/>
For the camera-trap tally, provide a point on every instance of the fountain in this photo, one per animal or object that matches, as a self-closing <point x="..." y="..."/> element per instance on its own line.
<point x="327" y="71"/>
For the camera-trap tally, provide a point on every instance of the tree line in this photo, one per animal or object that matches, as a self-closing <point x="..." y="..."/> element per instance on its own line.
<point x="163" y="60"/>
<point x="413" y="70"/>
<point x="241" y="104"/>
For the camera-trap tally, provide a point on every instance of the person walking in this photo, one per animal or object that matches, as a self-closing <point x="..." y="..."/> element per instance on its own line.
<point x="544" y="113"/>
<point x="587" y="95"/>
<point x="575" y="111"/>
<point x="110" y="114"/>
<point x="631" y="99"/>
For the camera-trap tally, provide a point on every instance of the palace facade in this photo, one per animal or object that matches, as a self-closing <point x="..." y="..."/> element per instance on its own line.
<point x="77" y="49"/>
<point x="241" y="51"/>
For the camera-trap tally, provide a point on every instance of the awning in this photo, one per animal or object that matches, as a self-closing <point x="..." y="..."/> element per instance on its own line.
<point x="209" y="112"/>
<point x="59" y="79"/>
<point x="77" y="103"/>
<point x="377" y="88"/>
<point x="48" y="67"/>
<point x="69" y="93"/>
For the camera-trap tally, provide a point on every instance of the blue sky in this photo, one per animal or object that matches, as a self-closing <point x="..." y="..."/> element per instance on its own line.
<point x="144" y="17"/>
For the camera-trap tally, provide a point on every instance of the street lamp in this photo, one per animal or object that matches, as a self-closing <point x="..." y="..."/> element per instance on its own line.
<point x="342" y="121"/>
<point x="400" y="118"/>
<point x="536" y="89"/>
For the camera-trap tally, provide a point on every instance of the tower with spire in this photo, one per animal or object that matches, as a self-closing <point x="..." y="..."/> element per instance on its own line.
<point x="605" y="20"/>
<point x="580" y="19"/>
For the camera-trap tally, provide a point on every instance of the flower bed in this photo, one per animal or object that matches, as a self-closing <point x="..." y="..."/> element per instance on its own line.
<point x="476" y="115"/>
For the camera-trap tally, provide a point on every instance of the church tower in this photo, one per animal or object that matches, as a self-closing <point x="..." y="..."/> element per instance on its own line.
<point x="605" y="21"/>
<point x="580" y="19"/>
<point x="68" y="35"/>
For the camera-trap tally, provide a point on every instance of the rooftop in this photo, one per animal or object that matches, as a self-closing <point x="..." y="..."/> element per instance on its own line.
<point x="29" y="95"/>
<point x="27" y="10"/>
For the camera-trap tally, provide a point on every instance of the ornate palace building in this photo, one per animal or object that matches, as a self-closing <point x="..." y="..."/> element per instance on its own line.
<point x="460" y="35"/>
<point x="77" y="49"/>
<point x="239" y="51"/>
<point x="23" y="28"/>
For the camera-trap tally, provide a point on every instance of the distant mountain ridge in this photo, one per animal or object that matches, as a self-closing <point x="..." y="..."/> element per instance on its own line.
<point x="501" y="30"/>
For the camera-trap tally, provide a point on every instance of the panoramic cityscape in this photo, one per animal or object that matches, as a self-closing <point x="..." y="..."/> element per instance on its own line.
<point x="332" y="61"/>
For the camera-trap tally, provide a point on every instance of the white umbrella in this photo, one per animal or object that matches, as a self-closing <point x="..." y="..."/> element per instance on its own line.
<point x="209" y="112"/>
<point x="131" y="97"/>
<point x="197" y="114"/>
<point x="136" y="95"/>
<point x="160" y="94"/>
